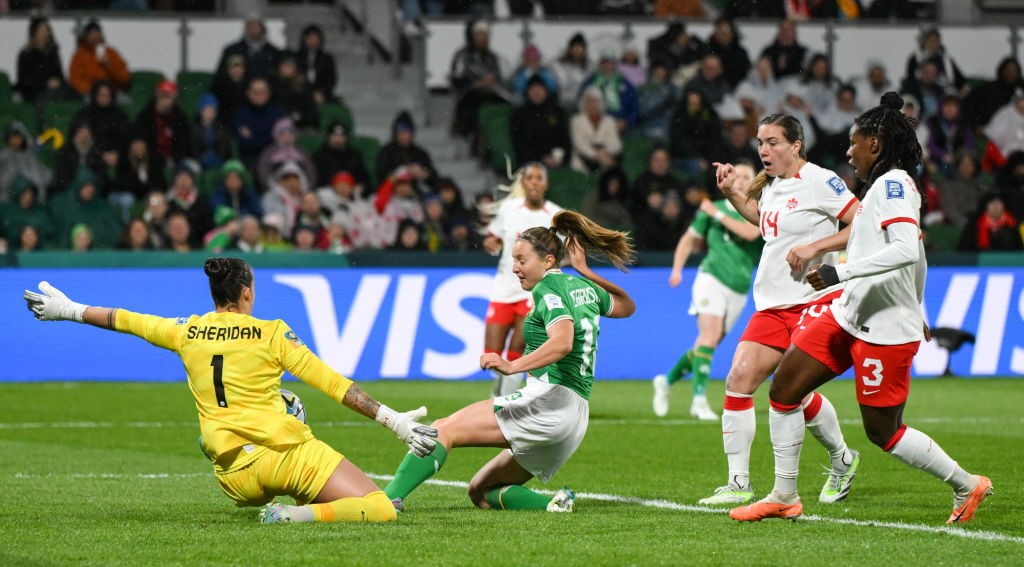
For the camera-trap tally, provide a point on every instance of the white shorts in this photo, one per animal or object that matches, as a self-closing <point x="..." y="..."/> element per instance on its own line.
<point x="712" y="297"/>
<point x="544" y="424"/>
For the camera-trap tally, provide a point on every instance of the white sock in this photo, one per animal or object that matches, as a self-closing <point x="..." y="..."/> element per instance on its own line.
<point x="787" y="433"/>
<point x="299" y="514"/>
<point x="921" y="452"/>
<point x="738" y="428"/>
<point x="824" y="426"/>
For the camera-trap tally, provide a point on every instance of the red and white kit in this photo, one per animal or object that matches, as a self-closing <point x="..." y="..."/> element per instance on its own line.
<point x="508" y="297"/>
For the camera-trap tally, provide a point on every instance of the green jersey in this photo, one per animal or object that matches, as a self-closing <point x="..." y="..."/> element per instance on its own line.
<point x="559" y="296"/>
<point x="730" y="259"/>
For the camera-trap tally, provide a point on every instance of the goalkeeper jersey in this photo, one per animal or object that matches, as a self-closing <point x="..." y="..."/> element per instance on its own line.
<point x="234" y="364"/>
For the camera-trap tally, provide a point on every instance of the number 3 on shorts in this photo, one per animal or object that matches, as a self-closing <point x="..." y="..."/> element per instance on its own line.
<point x="876" y="365"/>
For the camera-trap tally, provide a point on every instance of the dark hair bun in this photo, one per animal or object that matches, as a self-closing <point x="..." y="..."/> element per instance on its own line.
<point x="216" y="268"/>
<point x="892" y="100"/>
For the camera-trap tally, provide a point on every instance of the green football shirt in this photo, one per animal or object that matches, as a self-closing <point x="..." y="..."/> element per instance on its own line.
<point x="730" y="259"/>
<point x="560" y="296"/>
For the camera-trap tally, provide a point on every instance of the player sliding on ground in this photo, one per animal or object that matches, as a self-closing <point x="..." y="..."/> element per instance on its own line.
<point x="876" y="325"/>
<point x="542" y="424"/>
<point x="719" y="291"/>
<point x="234" y="363"/>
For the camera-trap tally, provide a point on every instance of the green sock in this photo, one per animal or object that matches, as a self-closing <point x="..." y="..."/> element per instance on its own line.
<point x="702" y="369"/>
<point x="516" y="497"/>
<point x="413" y="471"/>
<point x="682" y="367"/>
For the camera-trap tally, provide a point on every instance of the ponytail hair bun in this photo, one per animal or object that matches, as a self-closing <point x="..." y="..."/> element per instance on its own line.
<point x="892" y="100"/>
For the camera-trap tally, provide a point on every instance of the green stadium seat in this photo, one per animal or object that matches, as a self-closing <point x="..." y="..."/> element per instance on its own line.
<point x="942" y="237"/>
<point x="6" y="91"/>
<point x="368" y="147"/>
<point x="59" y="114"/>
<point x="192" y="81"/>
<point x="144" y="83"/>
<point x="634" y="155"/>
<point x="332" y="111"/>
<point x="567" y="187"/>
<point x="310" y="143"/>
<point x="20" y="111"/>
<point x="497" y="137"/>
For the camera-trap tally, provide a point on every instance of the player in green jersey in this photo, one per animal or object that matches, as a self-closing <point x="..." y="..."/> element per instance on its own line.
<point x="542" y="424"/>
<point x="719" y="291"/>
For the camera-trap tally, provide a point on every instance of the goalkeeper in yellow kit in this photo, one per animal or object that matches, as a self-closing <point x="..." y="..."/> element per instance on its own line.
<point x="234" y="363"/>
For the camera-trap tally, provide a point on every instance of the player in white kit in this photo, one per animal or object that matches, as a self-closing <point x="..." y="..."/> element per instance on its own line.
<point x="875" y="326"/>
<point x="797" y="206"/>
<point x="523" y="208"/>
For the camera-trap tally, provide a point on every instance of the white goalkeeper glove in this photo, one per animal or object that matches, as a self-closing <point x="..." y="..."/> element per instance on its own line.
<point x="420" y="438"/>
<point x="53" y="305"/>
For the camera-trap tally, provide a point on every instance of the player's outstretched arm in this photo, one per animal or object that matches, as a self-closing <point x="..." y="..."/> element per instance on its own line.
<point x="682" y="253"/>
<point x="420" y="438"/>
<point x="623" y="305"/>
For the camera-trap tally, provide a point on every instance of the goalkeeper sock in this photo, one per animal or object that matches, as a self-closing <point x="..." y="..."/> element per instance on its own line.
<point x="516" y="497"/>
<point x="682" y="367"/>
<point x="413" y="471"/>
<point x="374" y="507"/>
<point x="701" y="369"/>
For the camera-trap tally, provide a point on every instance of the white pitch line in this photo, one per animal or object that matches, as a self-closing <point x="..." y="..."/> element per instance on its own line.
<point x="675" y="506"/>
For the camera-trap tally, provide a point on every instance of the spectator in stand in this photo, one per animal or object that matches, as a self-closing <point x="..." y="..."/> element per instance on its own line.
<point x="785" y="53"/>
<point x="661" y="228"/>
<point x="94" y="60"/>
<point x="179" y="233"/>
<point x="410" y="237"/>
<point x="993" y="229"/>
<point x="608" y="205"/>
<point x="354" y="222"/>
<point x="435" y="235"/>
<point x="679" y="50"/>
<point x="767" y="9"/>
<point x="476" y="79"/>
<point x="259" y="54"/>
<point x="983" y="101"/>
<point x="620" y="97"/>
<point x="140" y="170"/>
<point x="531" y="67"/>
<point x="23" y="210"/>
<point x="960" y="192"/>
<point x="136" y="237"/>
<point x="234" y="192"/>
<point x="78" y="153"/>
<point x="230" y="89"/>
<point x="84" y="203"/>
<point x="18" y="159"/>
<point x="930" y="49"/>
<point x="926" y="88"/>
<point x="760" y="94"/>
<point x="316" y="65"/>
<point x="402" y="150"/>
<point x="336" y="155"/>
<point x="820" y="86"/>
<point x="595" y="135"/>
<point x="657" y="103"/>
<point x="571" y="69"/>
<point x="455" y="211"/>
<point x="947" y="135"/>
<point x="284" y="198"/>
<point x="795" y="104"/>
<point x="211" y="142"/>
<point x="110" y="180"/>
<point x="254" y="122"/>
<point x="283" y="151"/>
<point x="630" y="66"/>
<point x="739" y="146"/>
<point x="657" y="178"/>
<point x="312" y="217"/>
<point x="872" y="85"/>
<point x="40" y="73"/>
<point x="165" y="125"/>
<point x="710" y="81"/>
<point x="1005" y="131"/>
<point x="249" y="236"/>
<point x="725" y="43"/>
<point x="293" y="95"/>
<point x="1010" y="181"/>
<point x="695" y="135"/>
<point x="81" y="237"/>
<point x="224" y="233"/>
<point x="104" y="117"/>
<point x="395" y="202"/>
<point x="29" y="240"/>
<point x="272" y="238"/>
<point x="538" y="128"/>
<point x="183" y="197"/>
<point x="833" y="127"/>
<point x="155" y="216"/>
<point x="306" y="239"/>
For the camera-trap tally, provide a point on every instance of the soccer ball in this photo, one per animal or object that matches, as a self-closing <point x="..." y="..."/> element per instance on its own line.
<point x="293" y="405"/>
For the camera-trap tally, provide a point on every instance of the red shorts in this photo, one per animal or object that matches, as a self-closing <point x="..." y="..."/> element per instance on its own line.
<point x="506" y="313"/>
<point x="881" y="372"/>
<point x="778" y="327"/>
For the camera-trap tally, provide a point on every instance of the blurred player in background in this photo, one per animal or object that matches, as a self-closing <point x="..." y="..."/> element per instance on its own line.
<point x="234" y="364"/>
<point x="542" y="424"/>
<point x="522" y="208"/>
<point x="719" y="290"/>
<point x="876" y="326"/>
<point x="797" y="206"/>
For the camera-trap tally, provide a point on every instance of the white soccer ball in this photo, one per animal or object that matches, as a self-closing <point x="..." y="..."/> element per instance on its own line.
<point x="293" y="405"/>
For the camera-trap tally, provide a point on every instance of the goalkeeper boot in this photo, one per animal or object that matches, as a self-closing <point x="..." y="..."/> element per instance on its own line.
<point x="837" y="486"/>
<point x="701" y="409"/>
<point x="729" y="494"/>
<point x="274" y="513"/>
<point x="661" y="392"/>
<point x="562" y="501"/>
<point x="965" y="505"/>
<point x="771" y="506"/>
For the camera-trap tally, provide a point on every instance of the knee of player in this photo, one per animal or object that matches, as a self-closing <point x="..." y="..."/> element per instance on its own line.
<point x="740" y="382"/>
<point x="779" y="392"/>
<point x="879" y="434"/>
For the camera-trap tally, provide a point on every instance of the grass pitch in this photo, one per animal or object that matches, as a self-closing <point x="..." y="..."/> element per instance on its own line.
<point x="110" y="473"/>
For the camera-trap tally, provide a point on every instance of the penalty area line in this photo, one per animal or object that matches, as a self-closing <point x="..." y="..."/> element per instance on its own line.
<point x="677" y="507"/>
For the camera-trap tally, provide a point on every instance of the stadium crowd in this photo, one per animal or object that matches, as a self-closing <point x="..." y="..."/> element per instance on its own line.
<point x="261" y="155"/>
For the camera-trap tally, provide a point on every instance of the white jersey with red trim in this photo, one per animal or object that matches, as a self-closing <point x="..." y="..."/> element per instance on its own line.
<point x="797" y="211"/>
<point x="883" y="308"/>
<point x="513" y="218"/>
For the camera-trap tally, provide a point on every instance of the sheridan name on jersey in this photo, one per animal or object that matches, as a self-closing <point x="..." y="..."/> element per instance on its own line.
<point x="884" y="308"/>
<point x="794" y="212"/>
<point x="513" y="218"/>
<point x="234" y="364"/>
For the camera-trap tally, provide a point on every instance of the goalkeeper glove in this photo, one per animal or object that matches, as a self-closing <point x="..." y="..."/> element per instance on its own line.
<point x="53" y="305"/>
<point x="420" y="438"/>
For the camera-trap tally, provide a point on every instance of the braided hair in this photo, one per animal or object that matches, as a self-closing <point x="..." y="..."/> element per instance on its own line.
<point x="895" y="131"/>
<point x="228" y="277"/>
